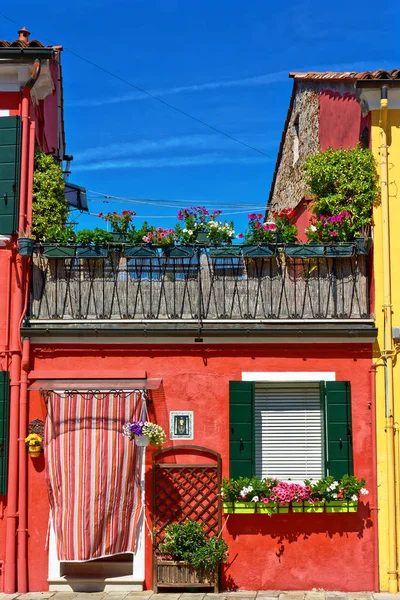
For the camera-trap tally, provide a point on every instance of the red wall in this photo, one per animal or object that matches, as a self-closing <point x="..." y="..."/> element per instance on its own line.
<point x="340" y="120"/>
<point x="282" y="552"/>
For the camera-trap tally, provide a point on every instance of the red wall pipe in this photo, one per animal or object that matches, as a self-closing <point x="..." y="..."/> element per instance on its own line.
<point x="10" y="573"/>
<point x="23" y="473"/>
<point x="374" y="469"/>
<point x="31" y="166"/>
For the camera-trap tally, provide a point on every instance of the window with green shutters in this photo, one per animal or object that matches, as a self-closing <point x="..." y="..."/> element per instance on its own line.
<point x="10" y="147"/>
<point x="290" y="430"/>
<point x="4" y="411"/>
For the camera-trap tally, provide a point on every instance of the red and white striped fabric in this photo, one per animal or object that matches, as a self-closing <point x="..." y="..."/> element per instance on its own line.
<point x="93" y="473"/>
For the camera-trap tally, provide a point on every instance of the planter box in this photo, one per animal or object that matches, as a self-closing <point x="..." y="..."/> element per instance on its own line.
<point x="140" y="251"/>
<point x="179" y="252"/>
<point x="363" y="245"/>
<point x="202" y="237"/>
<point x="305" y="250"/>
<point x="225" y="251"/>
<point x="90" y="251"/>
<point x="341" y="506"/>
<point x="174" y="574"/>
<point x="271" y="509"/>
<point x="259" y="251"/>
<point x="297" y="507"/>
<point x="59" y="251"/>
<point x="244" y="508"/>
<point x="118" y="237"/>
<point x="308" y="507"/>
<point x="228" y="508"/>
<point x="339" y="250"/>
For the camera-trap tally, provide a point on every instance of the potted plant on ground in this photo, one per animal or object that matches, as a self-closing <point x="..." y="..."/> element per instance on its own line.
<point x="187" y="557"/>
<point x="59" y="242"/>
<point x="145" y="433"/>
<point x="120" y="224"/>
<point x="26" y="243"/>
<point x="93" y="243"/>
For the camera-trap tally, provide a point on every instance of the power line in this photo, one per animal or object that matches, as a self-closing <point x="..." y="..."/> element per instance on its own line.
<point x="150" y="95"/>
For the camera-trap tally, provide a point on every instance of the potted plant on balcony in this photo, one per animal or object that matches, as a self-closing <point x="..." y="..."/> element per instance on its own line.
<point x="120" y="224"/>
<point x="145" y="433"/>
<point x="93" y="243"/>
<point x="25" y="242"/>
<point x="137" y="245"/>
<point x="187" y="557"/>
<point x="59" y="242"/>
<point x="202" y="227"/>
<point x="259" y="237"/>
<point x="343" y="495"/>
<point x="343" y="181"/>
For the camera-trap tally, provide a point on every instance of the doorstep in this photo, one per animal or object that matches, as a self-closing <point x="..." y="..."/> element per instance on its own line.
<point x="88" y="584"/>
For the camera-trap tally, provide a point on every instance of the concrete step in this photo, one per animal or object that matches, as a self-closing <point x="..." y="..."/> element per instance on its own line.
<point x="97" y="568"/>
<point x="87" y="583"/>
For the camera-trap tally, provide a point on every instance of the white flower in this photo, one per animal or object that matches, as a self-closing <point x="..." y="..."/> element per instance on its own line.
<point x="190" y="232"/>
<point x="364" y="491"/>
<point x="334" y="496"/>
<point x="222" y="494"/>
<point x="313" y="228"/>
<point x="184" y="230"/>
<point x="250" y="488"/>
<point x="255" y="499"/>
<point x="354" y="497"/>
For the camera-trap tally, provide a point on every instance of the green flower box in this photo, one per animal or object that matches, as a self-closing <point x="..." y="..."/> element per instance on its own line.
<point x="297" y="507"/>
<point x="259" y="250"/>
<point x="119" y="237"/>
<point x="91" y="251"/>
<point x="267" y="509"/>
<point x="305" y="250"/>
<point x="341" y="506"/>
<point x="140" y="251"/>
<point x="202" y="237"/>
<point x="308" y="507"/>
<point x="59" y="251"/>
<point x="179" y="251"/>
<point x="244" y="508"/>
<point x="282" y="509"/>
<point x="228" y="507"/>
<point x="225" y="251"/>
<point x="339" y="249"/>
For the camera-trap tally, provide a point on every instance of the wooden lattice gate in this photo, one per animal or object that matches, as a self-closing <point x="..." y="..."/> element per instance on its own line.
<point x="184" y="491"/>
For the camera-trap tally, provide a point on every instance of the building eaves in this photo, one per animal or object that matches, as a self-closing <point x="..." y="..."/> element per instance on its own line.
<point x="347" y="75"/>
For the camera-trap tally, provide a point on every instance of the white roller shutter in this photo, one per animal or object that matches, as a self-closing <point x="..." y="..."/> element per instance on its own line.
<point x="288" y="431"/>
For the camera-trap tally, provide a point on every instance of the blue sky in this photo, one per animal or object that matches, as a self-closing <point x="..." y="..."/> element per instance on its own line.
<point x="224" y="62"/>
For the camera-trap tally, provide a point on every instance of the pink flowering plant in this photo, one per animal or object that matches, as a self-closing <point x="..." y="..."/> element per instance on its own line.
<point x="120" y="222"/>
<point x="258" y="231"/>
<point x="160" y="237"/>
<point x="285" y="225"/>
<point x="330" y="229"/>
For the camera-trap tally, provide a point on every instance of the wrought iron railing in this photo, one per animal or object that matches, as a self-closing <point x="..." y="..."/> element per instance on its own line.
<point x="199" y="287"/>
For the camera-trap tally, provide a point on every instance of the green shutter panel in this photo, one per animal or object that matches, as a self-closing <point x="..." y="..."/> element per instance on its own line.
<point x="4" y="401"/>
<point x="10" y="147"/>
<point x="241" y="428"/>
<point x="338" y="443"/>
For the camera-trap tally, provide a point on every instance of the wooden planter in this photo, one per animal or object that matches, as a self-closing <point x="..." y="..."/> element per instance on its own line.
<point x="173" y="574"/>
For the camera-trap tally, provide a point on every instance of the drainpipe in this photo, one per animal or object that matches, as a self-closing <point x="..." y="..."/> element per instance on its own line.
<point x="23" y="473"/>
<point x="21" y="281"/>
<point x="374" y="498"/>
<point x="388" y="352"/>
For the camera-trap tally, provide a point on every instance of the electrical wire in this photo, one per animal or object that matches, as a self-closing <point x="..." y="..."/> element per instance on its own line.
<point x="154" y="97"/>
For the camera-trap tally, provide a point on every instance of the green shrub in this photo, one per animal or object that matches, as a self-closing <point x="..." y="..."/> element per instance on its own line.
<point x="50" y="208"/>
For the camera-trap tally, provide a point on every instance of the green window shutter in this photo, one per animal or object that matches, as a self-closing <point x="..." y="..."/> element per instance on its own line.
<point x="338" y="443"/>
<point x="10" y="147"/>
<point x="241" y="428"/>
<point x="4" y="401"/>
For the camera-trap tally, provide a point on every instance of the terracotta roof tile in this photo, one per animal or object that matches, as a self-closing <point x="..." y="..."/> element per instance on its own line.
<point x="348" y="75"/>
<point x="23" y="42"/>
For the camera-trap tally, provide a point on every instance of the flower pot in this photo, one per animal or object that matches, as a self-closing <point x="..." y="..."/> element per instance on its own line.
<point x="340" y="506"/>
<point x="339" y="249"/>
<point x="266" y="508"/>
<point x="304" y="250"/>
<point x="297" y="507"/>
<point x="228" y="507"/>
<point x="142" y="440"/>
<point x="91" y="251"/>
<point x="202" y="237"/>
<point x="59" y="251"/>
<point x="34" y="451"/>
<point x="179" y="251"/>
<point x="119" y="237"/>
<point x="25" y="246"/>
<point x="244" y="508"/>
<point x="314" y="507"/>
<point x="258" y="251"/>
<point x="225" y="251"/>
<point x="363" y="245"/>
<point x="140" y="251"/>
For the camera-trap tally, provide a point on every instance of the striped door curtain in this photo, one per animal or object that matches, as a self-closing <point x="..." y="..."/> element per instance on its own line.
<point x="93" y="473"/>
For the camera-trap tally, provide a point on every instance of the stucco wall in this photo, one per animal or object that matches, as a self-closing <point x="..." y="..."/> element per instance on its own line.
<point x="282" y="552"/>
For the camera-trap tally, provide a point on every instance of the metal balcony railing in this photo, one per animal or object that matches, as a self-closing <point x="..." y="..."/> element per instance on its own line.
<point x="199" y="287"/>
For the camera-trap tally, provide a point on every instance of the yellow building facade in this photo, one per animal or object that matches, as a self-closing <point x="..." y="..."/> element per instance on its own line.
<point x="385" y="135"/>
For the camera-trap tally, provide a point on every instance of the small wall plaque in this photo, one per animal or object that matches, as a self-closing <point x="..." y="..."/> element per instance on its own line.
<point x="181" y="425"/>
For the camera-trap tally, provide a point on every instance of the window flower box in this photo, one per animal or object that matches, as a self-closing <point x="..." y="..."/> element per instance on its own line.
<point x="339" y="250"/>
<point x="59" y="251"/>
<point x="228" y="508"/>
<point x="271" y="509"/>
<point x="259" y="250"/>
<point x="119" y="237"/>
<point x="179" y="251"/>
<point x="308" y="507"/>
<point x="244" y="508"/>
<point x="225" y="251"/>
<point x="341" y="506"/>
<point x="363" y="245"/>
<point x="140" y="251"/>
<point x="91" y="251"/>
<point x="305" y="250"/>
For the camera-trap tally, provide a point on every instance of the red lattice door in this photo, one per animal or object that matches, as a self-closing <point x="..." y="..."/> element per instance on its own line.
<point x="184" y="489"/>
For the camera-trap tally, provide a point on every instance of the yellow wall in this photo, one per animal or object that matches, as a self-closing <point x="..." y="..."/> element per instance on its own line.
<point x="394" y="204"/>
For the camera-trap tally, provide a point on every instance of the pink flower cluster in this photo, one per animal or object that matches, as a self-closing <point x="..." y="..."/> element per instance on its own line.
<point x="254" y="216"/>
<point x="157" y="236"/>
<point x="198" y="212"/>
<point x="283" y="493"/>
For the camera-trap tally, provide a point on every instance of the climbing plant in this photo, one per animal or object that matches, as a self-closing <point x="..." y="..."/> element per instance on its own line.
<point x="343" y="180"/>
<point x="50" y="208"/>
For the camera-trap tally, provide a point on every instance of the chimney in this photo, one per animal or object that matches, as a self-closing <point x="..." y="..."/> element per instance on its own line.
<point x="24" y="35"/>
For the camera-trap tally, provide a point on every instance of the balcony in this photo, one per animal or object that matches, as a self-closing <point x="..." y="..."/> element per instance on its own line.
<point x="201" y="292"/>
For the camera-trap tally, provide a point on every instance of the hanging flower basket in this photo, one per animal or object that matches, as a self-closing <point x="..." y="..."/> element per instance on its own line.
<point x="145" y="433"/>
<point x="142" y="440"/>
